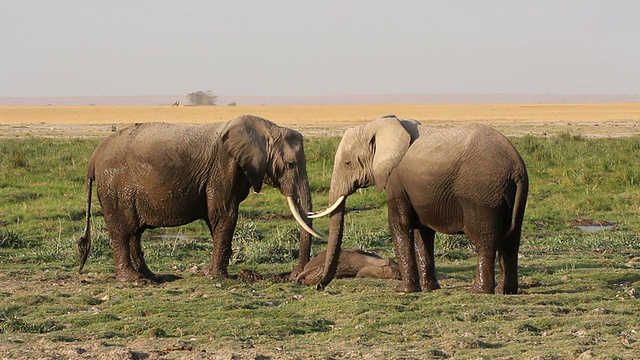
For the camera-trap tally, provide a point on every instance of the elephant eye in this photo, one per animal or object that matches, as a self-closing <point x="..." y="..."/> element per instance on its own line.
<point x="347" y="163"/>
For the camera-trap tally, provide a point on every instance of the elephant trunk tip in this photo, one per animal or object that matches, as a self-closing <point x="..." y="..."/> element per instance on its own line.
<point x="324" y="281"/>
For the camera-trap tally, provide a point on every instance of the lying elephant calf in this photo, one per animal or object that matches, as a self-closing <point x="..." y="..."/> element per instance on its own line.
<point x="352" y="263"/>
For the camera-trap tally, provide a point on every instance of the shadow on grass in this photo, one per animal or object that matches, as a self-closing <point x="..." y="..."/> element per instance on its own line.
<point x="315" y="326"/>
<point x="462" y="272"/>
<point x="167" y="278"/>
<point x="568" y="266"/>
<point x="618" y="279"/>
<point x="557" y="291"/>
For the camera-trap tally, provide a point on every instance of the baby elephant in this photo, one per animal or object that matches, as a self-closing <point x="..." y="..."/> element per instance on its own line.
<point x="352" y="263"/>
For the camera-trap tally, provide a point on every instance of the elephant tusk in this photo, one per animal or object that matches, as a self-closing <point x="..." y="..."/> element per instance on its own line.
<point x="328" y="211"/>
<point x="296" y="215"/>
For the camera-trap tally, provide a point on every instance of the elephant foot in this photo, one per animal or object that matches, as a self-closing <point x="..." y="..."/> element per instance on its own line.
<point x="148" y="274"/>
<point x="130" y="276"/>
<point x="215" y="272"/>
<point x="430" y="286"/>
<point x="168" y="278"/>
<point x="475" y="289"/>
<point x="507" y="290"/>
<point x="407" y="288"/>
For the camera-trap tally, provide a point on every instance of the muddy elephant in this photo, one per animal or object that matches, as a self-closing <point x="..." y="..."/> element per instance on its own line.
<point x="351" y="263"/>
<point x="462" y="180"/>
<point x="161" y="175"/>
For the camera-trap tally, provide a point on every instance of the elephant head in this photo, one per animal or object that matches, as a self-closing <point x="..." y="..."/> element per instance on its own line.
<point x="274" y="155"/>
<point x="366" y="156"/>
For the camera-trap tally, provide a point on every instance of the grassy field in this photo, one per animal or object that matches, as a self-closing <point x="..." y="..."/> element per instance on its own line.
<point x="579" y="293"/>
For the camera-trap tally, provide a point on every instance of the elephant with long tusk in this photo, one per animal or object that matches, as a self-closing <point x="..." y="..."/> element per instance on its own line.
<point x="467" y="179"/>
<point x="157" y="175"/>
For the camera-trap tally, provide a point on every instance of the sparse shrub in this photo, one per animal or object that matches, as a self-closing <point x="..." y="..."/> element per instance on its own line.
<point x="362" y="238"/>
<point x="249" y="246"/>
<point x="11" y="322"/>
<point x="452" y="242"/>
<point x="283" y="247"/>
<point x="178" y="246"/>
<point x="244" y="237"/>
<point x="76" y="215"/>
<point x="453" y="247"/>
<point x="528" y="144"/>
<point x="606" y="240"/>
<point x="19" y="161"/>
<point x="568" y="136"/>
<point x="100" y="241"/>
<point x="12" y="240"/>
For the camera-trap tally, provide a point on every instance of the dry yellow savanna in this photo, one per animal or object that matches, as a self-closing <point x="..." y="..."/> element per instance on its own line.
<point x="602" y="120"/>
<point x="322" y="115"/>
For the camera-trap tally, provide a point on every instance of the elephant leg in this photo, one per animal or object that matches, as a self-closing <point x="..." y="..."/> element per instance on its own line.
<point x="424" y="238"/>
<point x="304" y="255"/>
<point x="483" y="227"/>
<point x="484" y="282"/>
<point x="222" y="233"/>
<point x="124" y="268"/>
<point x="402" y="234"/>
<point x="137" y="258"/>
<point x="508" y="254"/>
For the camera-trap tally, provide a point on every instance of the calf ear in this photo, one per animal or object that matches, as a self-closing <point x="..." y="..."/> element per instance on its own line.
<point x="247" y="144"/>
<point x="389" y="142"/>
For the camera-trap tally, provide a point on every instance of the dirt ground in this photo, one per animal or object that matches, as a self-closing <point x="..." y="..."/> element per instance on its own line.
<point x="604" y="129"/>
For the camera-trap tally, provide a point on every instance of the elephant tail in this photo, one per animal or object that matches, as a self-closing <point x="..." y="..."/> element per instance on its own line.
<point x="84" y="243"/>
<point x="519" y="204"/>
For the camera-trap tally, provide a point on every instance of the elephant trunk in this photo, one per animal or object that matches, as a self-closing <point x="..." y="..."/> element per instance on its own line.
<point x="336" y="228"/>
<point x="303" y="196"/>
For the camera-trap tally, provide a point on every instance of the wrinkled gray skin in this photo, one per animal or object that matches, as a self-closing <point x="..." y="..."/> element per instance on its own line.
<point x="351" y="263"/>
<point x="468" y="180"/>
<point x="157" y="175"/>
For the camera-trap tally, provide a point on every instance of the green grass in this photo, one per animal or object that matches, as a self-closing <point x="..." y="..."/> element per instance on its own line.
<point x="579" y="290"/>
<point x="574" y="178"/>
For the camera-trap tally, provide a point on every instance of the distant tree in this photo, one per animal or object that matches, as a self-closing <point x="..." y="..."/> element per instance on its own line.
<point x="232" y="103"/>
<point x="202" y="98"/>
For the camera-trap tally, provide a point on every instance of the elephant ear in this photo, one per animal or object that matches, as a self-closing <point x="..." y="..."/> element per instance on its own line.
<point x="389" y="141"/>
<point x="246" y="141"/>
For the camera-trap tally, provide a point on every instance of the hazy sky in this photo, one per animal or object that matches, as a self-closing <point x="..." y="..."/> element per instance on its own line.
<point x="315" y="48"/>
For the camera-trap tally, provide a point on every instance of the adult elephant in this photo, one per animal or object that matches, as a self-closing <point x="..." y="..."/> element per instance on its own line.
<point x="157" y="174"/>
<point x="466" y="179"/>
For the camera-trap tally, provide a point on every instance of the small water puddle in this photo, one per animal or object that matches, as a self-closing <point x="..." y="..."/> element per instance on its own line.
<point x="593" y="228"/>
<point x="169" y="236"/>
<point x="589" y="225"/>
